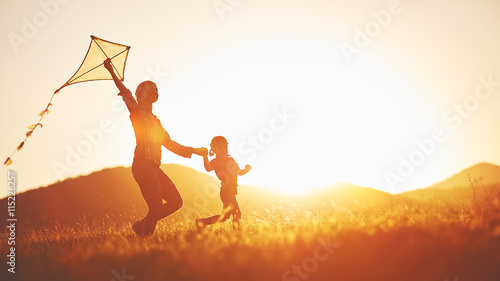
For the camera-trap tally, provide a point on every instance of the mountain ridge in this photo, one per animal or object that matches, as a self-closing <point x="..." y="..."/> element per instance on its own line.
<point x="112" y="193"/>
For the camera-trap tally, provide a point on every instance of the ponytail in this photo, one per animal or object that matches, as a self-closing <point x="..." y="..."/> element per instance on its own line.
<point x="216" y="141"/>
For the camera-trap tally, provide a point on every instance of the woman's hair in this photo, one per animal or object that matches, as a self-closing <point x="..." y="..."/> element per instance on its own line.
<point x="143" y="86"/>
<point x="218" y="140"/>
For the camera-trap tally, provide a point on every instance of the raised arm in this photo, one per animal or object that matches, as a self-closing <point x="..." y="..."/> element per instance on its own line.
<point x="124" y="92"/>
<point x="241" y="172"/>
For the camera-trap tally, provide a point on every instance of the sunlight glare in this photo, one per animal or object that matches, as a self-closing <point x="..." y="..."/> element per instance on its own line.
<point x="348" y="121"/>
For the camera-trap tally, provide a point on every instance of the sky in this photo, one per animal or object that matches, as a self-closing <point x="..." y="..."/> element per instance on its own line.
<point x="394" y="95"/>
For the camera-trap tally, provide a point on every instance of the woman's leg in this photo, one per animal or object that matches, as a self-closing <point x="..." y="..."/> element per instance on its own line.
<point x="170" y="194"/>
<point x="146" y="177"/>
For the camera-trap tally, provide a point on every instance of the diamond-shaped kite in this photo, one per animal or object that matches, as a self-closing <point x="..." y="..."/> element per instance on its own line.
<point x="92" y="68"/>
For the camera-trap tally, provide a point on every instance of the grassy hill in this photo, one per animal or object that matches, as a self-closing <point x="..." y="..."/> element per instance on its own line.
<point x="113" y="194"/>
<point x="476" y="187"/>
<point x="110" y="193"/>
<point x="480" y="174"/>
<point x="79" y="229"/>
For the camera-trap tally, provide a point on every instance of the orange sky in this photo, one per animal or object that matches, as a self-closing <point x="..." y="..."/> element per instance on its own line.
<point x="390" y="94"/>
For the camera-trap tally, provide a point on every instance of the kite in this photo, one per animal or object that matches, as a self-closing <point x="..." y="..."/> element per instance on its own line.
<point x="91" y="69"/>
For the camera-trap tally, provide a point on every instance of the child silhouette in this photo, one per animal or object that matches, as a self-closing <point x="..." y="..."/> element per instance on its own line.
<point x="227" y="171"/>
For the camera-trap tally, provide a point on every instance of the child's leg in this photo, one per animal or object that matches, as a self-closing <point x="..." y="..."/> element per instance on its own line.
<point x="237" y="211"/>
<point x="226" y="213"/>
<point x="211" y="220"/>
<point x="227" y="209"/>
<point x="231" y="207"/>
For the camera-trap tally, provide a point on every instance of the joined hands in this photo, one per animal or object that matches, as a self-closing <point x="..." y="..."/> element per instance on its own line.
<point x="202" y="151"/>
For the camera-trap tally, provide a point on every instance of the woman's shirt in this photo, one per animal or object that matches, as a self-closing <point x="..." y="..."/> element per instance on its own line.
<point x="150" y="135"/>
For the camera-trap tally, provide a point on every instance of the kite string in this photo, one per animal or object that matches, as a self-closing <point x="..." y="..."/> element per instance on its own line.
<point x="32" y="128"/>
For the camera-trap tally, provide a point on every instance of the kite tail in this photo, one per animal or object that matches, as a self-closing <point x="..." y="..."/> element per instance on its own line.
<point x="32" y="128"/>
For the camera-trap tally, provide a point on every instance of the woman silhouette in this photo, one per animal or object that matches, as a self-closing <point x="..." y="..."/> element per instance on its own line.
<point x="150" y="135"/>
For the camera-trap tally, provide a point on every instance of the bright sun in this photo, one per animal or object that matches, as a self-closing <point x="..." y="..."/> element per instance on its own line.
<point x="303" y="117"/>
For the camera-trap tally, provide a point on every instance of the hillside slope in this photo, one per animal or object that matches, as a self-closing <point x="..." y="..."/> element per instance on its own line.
<point x="113" y="194"/>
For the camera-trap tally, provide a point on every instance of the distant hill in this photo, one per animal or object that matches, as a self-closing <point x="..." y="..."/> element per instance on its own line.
<point x="480" y="174"/>
<point x="113" y="194"/>
<point x="109" y="193"/>
<point x="480" y="182"/>
<point x="349" y="196"/>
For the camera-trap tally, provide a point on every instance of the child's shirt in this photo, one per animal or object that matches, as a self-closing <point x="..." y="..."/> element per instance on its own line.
<point x="226" y="170"/>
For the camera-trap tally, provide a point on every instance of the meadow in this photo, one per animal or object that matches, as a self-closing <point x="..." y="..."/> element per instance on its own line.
<point x="314" y="237"/>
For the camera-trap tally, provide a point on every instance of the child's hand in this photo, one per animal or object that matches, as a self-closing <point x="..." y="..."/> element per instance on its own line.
<point x="248" y="167"/>
<point x="202" y="151"/>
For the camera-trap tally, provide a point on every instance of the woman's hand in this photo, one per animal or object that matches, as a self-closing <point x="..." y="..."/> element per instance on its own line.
<point x="108" y="65"/>
<point x="202" y="151"/>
